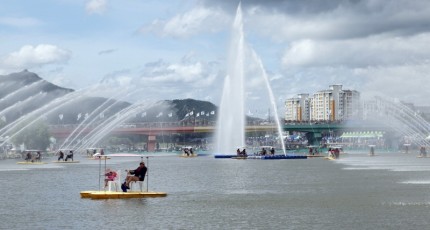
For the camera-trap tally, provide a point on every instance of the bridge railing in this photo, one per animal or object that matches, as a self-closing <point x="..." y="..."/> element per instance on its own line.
<point x="201" y="123"/>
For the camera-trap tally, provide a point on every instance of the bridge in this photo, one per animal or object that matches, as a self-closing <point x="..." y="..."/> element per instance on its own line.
<point x="313" y="130"/>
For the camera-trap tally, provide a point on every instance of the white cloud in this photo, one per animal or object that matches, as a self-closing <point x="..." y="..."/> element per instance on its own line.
<point x="370" y="51"/>
<point x="408" y="82"/>
<point x="345" y="21"/>
<point x="197" y="20"/>
<point x="30" y="56"/>
<point x="96" y="6"/>
<point x="195" y="74"/>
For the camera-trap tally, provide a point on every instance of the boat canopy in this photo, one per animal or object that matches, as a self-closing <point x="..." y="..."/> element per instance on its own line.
<point x="95" y="151"/>
<point x="33" y="150"/>
<point x="364" y="134"/>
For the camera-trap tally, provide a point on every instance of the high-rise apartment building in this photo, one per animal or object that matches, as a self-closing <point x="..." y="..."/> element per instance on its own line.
<point x="332" y="104"/>
<point x="297" y="108"/>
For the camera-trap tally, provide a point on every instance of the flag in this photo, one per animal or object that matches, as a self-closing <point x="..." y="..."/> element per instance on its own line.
<point x="191" y="113"/>
<point x="143" y="114"/>
<point x="198" y="114"/>
<point x="170" y="114"/>
<point x="79" y="116"/>
<point x="60" y="116"/>
<point x="160" y="114"/>
<point x="188" y="114"/>
<point x="207" y="114"/>
<point x="213" y="112"/>
<point x="202" y="113"/>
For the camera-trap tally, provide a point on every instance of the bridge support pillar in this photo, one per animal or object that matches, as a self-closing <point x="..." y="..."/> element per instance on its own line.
<point x="314" y="138"/>
<point x="152" y="141"/>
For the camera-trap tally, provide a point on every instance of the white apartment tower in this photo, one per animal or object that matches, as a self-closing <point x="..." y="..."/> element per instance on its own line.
<point x="297" y="108"/>
<point x="326" y="105"/>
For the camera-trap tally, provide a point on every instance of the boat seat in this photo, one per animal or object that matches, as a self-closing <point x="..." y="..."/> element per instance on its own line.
<point x="137" y="186"/>
<point x="115" y="183"/>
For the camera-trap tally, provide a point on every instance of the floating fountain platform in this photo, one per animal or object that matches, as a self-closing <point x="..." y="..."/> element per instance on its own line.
<point x="31" y="163"/>
<point x="225" y="156"/>
<point x="275" y="157"/>
<point x="278" y="157"/>
<point x="65" y="162"/>
<point x="120" y="195"/>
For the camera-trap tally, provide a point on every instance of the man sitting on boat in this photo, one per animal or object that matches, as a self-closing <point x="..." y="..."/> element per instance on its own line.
<point x="263" y="152"/>
<point x="60" y="156"/>
<point x="423" y="152"/>
<point x="38" y="156"/>
<point x="28" y="157"/>
<point x="69" y="156"/>
<point x="134" y="175"/>
<point x="186" y="151"/>
<point x="244" y="154"/>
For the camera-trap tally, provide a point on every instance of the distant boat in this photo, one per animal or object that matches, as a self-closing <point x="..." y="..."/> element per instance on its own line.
<point x="96" y="153"/>
<point x="107" y="194"/>
<point x="32" y="157"/>
<point x="65" y="152"/>
<point x="188" y="152"/>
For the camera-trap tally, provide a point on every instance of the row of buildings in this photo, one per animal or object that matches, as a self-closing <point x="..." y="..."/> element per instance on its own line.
<point x="333" y="104"/>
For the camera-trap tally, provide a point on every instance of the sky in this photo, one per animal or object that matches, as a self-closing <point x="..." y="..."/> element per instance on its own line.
<point x="177" y="49"/>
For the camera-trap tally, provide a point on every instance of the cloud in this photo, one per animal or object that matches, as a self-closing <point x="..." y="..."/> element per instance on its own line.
<point x="120" y="78"/>
<point x="96" y="6"/>
<point x="108" y="51"/>
<point x="330" y="19"/>
<point x="369" y="51"/>
<point x="407" y="82"/>
<point x="31" y="56"/>
<point x="163" y="80"/>
<point x="196" y="74"/>
<point x="19" y="22"/>
<point x="197" y="20"/>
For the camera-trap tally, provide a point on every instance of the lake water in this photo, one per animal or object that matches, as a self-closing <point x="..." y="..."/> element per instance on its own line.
<point x="388" y="191"/>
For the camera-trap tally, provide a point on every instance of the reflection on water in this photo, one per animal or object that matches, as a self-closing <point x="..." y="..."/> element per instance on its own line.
<point x="389" y="191"/>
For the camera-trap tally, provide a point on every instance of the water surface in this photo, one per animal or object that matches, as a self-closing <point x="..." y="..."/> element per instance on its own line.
<point x="388" y="191"/>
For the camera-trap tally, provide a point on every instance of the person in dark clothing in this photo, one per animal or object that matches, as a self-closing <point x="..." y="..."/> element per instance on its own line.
<point x="38" y="156"/>
<point x="244" y="154"/>
<point x="69" y="155"/>
<point x="134" y="175"/>
<point x="60" y="156"/>
<point x="28" y="157"/>
<point x="272" y="151"/>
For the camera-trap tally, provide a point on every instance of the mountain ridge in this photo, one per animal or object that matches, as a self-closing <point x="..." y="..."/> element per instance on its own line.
<point x="24" y="92"/>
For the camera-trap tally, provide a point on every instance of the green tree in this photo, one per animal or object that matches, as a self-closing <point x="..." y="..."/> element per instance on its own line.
<point x="36" y="136"/>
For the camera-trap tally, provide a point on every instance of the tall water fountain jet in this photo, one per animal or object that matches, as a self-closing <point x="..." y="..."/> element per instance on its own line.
<point x="272" y="100"/>
<point x="230" y="132"/>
